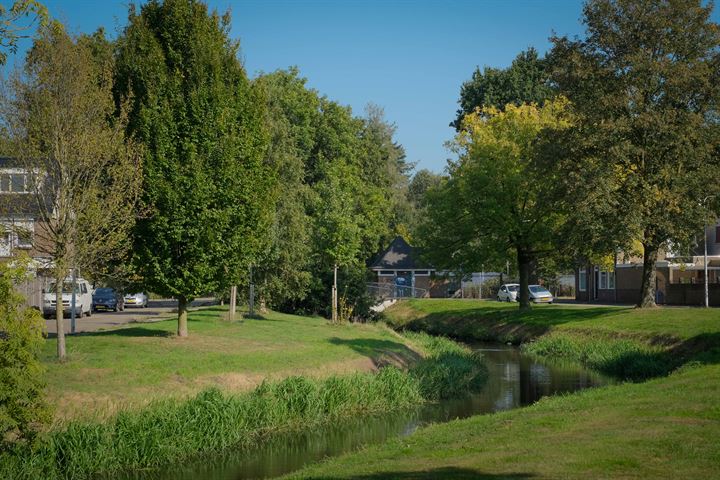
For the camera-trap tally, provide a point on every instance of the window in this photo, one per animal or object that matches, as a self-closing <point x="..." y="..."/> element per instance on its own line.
<point x="5" y="243"/>
<point x="387" y="273"/>
<point x="582" y="280"/>
<point x="603" y="280"/>
<point x="83" y="288"/>
<point x="422" y="273"/>
<point x="607" y="280"/>
<point x="13" y="183"/>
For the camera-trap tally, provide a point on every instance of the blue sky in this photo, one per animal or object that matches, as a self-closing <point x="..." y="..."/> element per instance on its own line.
<point x="409" y="57"/>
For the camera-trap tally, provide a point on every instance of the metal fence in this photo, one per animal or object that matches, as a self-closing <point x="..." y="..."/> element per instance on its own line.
<point x="388" y="291"/>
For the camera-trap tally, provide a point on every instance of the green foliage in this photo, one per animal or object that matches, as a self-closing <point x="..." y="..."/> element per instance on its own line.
<point x="23" y="410"/>
<point x="12" y="28"/>
<point x="208" y="191"/>
<point x="496" y="202"/>
<point x="622" y="358"/>
<point x="526" y="80"/>
<point x="341" y="193"/>
<point x="644" y="86"/>
<point x="168" y="431"/>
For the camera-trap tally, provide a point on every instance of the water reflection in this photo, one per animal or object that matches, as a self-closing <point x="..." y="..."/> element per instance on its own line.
<point x="514" y="380"/>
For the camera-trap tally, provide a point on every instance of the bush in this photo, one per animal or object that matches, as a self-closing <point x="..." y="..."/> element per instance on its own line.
<point x="23" y="410"/>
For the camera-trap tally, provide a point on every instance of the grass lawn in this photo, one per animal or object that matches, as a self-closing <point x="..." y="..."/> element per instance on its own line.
<point x="666" y="428"/>
<point x="127" y="367"/>
<point x="490" y="320"/>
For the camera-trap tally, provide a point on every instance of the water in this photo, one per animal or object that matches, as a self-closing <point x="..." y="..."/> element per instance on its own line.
<point x="514" y="380"/>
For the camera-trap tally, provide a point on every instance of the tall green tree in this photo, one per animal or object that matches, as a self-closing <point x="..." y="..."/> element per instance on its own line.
<point x="494" y="203"/>
<point x="282" y="271"/>
<point x="206" y="186"/>
<point x="83" y="172"/>
<point x="526" y="80"/>
<point x="341" y="194"/>
<point x="645" y="84"/>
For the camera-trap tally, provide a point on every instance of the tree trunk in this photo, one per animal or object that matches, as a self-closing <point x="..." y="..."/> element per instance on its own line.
<point x="182" y="330"/>
<point x="524" y="266"/>
<point x="647" y="292"/>
<point x="59" y="318"/>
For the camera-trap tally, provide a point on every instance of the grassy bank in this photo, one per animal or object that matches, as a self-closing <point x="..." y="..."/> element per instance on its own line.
<point x="168" y="430"/>
<point x="628" y="343"/>
<point x="665" y="428"/>
<point x="130" y="366"/>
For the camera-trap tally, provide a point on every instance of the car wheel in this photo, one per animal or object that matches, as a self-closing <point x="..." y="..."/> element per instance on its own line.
<point x="498" y="299"/>
<point x="89" y="312"/>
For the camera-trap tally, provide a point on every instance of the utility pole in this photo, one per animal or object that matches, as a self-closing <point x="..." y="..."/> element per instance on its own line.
<point x="705" y="260"/>
<point x="482" y="279"/>
<point x="334" y="296"/>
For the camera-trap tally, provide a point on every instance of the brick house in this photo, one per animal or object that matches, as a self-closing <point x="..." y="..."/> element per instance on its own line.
<point x="21" y="229"/>
<point x="679" y="280"/>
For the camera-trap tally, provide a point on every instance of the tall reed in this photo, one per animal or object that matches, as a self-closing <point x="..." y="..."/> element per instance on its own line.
<point x="172" y="431"/>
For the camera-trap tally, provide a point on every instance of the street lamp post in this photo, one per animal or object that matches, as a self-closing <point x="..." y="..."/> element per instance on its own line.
<point x="705" y="260"/>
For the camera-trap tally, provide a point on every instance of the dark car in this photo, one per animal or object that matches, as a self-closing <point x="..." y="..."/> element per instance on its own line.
<point x="107" y="299"/>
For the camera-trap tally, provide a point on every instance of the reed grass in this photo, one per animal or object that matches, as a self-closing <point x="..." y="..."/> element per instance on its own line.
<point x="626" y="359"/>
<point x="170" y="431"/>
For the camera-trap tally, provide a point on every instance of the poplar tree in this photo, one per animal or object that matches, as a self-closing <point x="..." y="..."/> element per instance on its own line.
<point x="206" y="188"/>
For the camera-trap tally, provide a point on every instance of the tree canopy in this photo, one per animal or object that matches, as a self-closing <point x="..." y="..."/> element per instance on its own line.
<point x="495" y="202"/>
<point x="206" y="186"/>
<point x="524" y="81"/>
<point x="644" y="84"/>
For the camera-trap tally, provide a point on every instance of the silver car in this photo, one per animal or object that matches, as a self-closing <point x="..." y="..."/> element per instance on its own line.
<point x="508" y="292"/>
<point x="540" y="294"/>
<point x="136" y="300"/>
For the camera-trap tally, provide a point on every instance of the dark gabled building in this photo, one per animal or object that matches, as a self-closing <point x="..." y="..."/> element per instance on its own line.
<point x="401" y="269"/>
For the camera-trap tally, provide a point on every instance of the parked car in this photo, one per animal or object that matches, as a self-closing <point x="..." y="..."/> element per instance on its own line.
<point x="136" y="300"/>
<point x="83" y="298"/>
<point x="540" y="294"/>
<point x="107" y="299"/>
<point x="508" y="292"/>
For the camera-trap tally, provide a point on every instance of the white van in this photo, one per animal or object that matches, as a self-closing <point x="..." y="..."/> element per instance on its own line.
<point x="83" y="298"/>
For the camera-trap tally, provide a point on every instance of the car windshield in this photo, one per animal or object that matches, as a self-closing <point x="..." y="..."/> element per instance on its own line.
<point x="512" y="288"/>
<point x="67" y="288"/>
<point x="538" y="289"/>
<point x="133" y="295"/>
<point x="104" y="292"/>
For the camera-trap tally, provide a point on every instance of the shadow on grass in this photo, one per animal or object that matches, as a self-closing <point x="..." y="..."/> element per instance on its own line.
<point x="490" y="323"/>
<point x="381" y="352"/>
<point x="452" y="473"/>
<point x="631" y="360"/>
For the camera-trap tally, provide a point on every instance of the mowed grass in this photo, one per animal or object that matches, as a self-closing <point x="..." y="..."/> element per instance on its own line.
<point x="490" y="320"/>
<point x="662" y="429"/>
<point x="107" y="371"/>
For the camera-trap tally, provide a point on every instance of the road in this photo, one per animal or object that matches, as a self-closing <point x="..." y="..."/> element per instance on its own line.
<point x="157" y="310"/>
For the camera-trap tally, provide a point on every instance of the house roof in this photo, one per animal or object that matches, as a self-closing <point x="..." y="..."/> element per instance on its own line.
<point x="400" y="255"/>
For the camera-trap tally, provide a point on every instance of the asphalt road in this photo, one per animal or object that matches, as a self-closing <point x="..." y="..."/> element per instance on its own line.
<point x="156" y="310"/>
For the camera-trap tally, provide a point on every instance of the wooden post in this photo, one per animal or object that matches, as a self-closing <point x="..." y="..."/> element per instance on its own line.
<point x="233" y="302"/>
<point x="334" y="296"/>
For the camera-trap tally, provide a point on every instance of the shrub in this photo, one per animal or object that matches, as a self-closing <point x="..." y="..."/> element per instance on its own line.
<point x="23" y="410"/>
